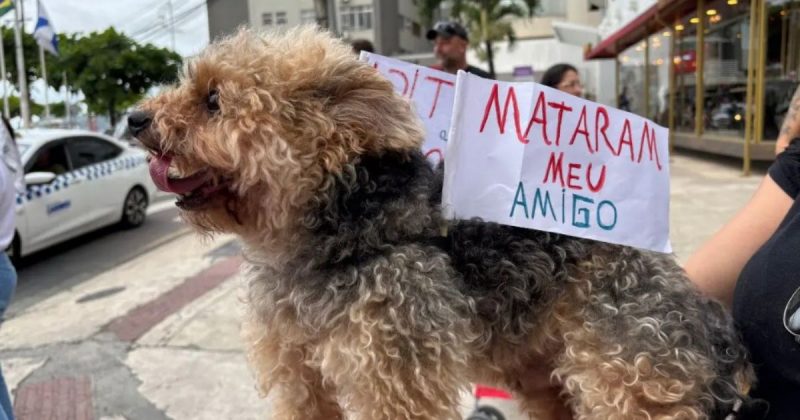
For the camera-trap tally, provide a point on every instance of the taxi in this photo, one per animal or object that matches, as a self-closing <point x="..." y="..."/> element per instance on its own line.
<point x="77" y="181"/>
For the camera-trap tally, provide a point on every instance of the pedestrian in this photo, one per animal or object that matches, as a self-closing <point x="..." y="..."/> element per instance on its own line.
<point x="623" y="102"/>
<point x="450" y="43"/>
<point x="752" y="265"/>
<point x="359" y="45"/>
<point x="563" y="77"/>
<point x="11" y="182"/>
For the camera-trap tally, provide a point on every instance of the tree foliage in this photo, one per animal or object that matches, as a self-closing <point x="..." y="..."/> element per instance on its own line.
<point x="112" y="70"/>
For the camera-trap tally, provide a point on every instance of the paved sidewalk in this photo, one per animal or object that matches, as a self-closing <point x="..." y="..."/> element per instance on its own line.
<point x="158" y="337"/>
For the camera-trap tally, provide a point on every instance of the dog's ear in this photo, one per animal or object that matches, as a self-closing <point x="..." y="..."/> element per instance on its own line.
<point x="374" y="117"/>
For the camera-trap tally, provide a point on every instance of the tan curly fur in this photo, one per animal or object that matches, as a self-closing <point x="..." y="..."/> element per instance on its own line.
<point x="360" y="309"/>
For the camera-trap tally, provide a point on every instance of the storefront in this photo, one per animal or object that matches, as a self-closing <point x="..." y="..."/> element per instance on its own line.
<point x="750" y="55"/>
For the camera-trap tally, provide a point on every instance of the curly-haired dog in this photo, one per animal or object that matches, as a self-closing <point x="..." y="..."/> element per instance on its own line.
<point x="361" y="309"/>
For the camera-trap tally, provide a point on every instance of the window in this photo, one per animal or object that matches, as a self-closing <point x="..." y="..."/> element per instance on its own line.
<point x="308" y="16"/>
<point x="356" y="18"/>
<point x="266" y="19"/>
<point x="85" y="151"/>
<point x="416" y="29"/>
<point x="50" y="158"/>
<point x="280" y="18"/>
<point x="552" y="8"/>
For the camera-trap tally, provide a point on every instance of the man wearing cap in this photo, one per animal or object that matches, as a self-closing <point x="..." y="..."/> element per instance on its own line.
<point x="450" y="42"/>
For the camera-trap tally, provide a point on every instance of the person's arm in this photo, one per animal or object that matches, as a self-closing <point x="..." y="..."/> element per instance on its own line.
<point x="716" y="265"/>
<point x="791" y="123"/>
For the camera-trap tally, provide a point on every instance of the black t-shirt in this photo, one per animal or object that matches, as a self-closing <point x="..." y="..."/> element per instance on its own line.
<point x="478" y="72"/>
<point x="764" y="288"/>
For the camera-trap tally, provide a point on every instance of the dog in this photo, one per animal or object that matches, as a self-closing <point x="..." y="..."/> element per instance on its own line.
<point x="361" y="307"/>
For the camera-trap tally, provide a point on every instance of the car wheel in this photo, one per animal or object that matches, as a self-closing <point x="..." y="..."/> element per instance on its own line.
<point x="134" y="209"/>
<point x="13" y="251"/>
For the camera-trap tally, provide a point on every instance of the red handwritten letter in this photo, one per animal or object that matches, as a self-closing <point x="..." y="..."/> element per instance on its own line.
<point x="652" y="147"/>
<point x="598" y="130"/>
<point x="600" y="182"/>
<point x="626" y="137"/>
<point x="405" y="79"/>
<point x="539" y="116"/>
<point x="494" y="100"/>
<point x="555" y="167"/>
<point x="583" y="129"/>
<point x="440" y="82"/>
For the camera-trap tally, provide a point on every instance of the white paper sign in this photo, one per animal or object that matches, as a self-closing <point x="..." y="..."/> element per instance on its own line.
<point x="526" y="155"/>
<point x="432" y="92"/>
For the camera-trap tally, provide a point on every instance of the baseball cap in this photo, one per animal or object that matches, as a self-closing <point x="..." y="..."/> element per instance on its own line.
<point x="447" y="29"/>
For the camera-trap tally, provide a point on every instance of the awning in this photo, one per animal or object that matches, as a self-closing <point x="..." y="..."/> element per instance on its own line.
<point x="574" y="34"/>
<point x="659" y="16"/>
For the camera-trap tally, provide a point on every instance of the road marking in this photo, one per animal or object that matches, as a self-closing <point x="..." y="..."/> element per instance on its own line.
<point x="137" y="322"/>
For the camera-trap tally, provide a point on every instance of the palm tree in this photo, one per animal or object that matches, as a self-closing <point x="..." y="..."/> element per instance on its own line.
<point x="488" y="21"/>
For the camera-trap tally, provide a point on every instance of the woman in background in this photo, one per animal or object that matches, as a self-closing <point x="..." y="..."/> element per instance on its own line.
<point x="563" y="77"/>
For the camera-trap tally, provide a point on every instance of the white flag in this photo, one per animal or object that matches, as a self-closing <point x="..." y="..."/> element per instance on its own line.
<point x="526" y="155"/>
<point x="44" y="33"/>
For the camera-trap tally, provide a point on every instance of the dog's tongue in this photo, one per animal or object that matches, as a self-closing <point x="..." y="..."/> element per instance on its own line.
<point x="159" y="171"/>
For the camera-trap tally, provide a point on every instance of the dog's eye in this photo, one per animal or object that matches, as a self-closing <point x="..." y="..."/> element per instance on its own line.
<point x="212" y="103"/>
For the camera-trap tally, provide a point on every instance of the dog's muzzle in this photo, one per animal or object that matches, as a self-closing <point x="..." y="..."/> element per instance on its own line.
<point x="139" y="123"/>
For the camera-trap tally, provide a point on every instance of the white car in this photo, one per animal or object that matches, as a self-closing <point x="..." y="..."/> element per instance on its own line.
<point x="77" y="181"/>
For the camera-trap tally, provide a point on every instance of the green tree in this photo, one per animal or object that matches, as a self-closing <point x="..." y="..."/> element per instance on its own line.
<point x="14" y="107"/>
<point x="488" y="21"/>
<point x="111" y="70"/>
<point x="30" y="52"/>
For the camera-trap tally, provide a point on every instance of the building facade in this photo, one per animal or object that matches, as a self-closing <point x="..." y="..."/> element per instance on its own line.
<point x="393" y="26"/>
<point x="719" y="73"/>
<point x="557" y="33"/>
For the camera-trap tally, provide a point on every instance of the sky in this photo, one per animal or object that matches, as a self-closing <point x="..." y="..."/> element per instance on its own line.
<point x="146" y="21"/>
<point x="143" y="20"/>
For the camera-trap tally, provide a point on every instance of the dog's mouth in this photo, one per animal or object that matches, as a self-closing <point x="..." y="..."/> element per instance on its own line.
<point x="195" y="191"/>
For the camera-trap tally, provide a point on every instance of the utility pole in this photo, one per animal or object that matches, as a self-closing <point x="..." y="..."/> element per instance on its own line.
<point x="172" y="23"/>
<point x="46" y="85"/>
<point x="5" y="75"/>
<point x="21" y="73"/>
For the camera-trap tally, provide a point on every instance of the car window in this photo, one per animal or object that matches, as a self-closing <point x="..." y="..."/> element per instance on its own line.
<point x="50" y="158"/>
<point x="84" y="151"/>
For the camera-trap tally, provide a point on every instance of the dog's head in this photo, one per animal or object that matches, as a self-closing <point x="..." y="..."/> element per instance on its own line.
<point x="259" y="125"/>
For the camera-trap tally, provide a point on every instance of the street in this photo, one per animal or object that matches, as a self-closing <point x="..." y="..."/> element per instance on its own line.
<point x="55" y="269"/>
<point x="58" y="354"/>
<point x="144" y="324"/>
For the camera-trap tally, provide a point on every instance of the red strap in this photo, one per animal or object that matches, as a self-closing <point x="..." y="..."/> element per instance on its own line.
<point x="487" y="392"/>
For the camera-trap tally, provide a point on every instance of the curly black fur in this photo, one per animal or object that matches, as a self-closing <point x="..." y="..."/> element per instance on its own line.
<point x="509" y="278"/>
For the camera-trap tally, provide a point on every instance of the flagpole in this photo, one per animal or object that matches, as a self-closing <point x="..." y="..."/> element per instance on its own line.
<point x="66" y="99"/>
<point x="21" y="74"/>
<point x="46" y="86"/>
<point x="3" y="71"/>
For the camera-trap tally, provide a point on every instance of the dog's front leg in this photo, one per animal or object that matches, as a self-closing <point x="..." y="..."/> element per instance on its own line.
<point x="401" y="350"/>
<point x="284" y="371"/>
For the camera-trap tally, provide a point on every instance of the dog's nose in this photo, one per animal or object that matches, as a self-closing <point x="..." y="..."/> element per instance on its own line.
<point x="138" y="121"/>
